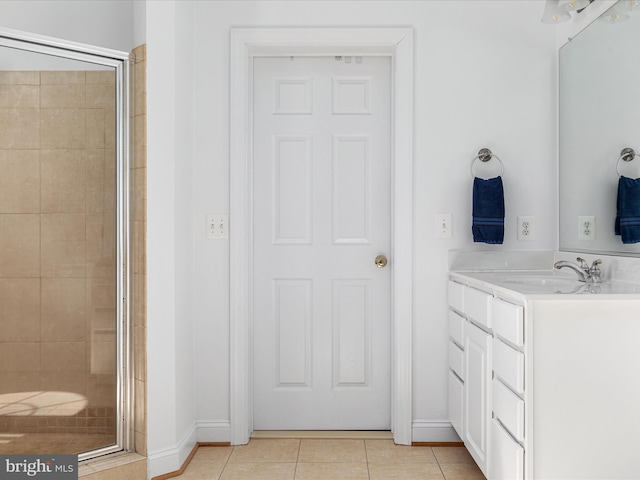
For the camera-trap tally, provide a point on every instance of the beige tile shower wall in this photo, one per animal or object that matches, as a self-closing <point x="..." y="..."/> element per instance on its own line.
<point x="57" y="241"/>
<point x="139" y="237"/>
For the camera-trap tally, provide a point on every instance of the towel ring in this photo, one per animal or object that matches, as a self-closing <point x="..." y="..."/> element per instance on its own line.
<point x="627" y="154"/>
<point x="484" y="155"/>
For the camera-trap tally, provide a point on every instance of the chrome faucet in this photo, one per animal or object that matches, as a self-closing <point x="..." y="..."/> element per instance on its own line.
<point x="586" y="273"/>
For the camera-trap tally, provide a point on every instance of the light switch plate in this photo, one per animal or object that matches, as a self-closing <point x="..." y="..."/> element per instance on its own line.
<point x="443" y="225"/>
<point x="218" y="226"/>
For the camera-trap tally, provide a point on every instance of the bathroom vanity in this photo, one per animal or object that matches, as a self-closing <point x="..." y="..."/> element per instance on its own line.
<point x="544" y="374"/>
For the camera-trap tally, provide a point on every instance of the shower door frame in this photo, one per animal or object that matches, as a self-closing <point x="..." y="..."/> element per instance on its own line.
<point x="34" y="43"/>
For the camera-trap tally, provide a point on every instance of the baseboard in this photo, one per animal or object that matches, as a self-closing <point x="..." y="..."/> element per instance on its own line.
<point x="327" y="434"/>
<point x="213" y="431"/>
<point x="432" y="432"/>
<point x="172" y="459"/>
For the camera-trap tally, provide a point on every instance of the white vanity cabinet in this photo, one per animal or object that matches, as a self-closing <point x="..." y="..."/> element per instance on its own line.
<point x="470" y="369"/>
<point x="486" y="379"/>
<point x="477" y="394"/>
<point x="550" y="383"/>
<point x="508" y="388"/>
<point x="456" y="358"/>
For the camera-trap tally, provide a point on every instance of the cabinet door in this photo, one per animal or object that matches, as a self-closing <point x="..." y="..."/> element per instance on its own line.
<point x="477" y="394"/>
<point x="456" y="327"/>
<point x="456" y="402"/>
<point x="456" y="359"/>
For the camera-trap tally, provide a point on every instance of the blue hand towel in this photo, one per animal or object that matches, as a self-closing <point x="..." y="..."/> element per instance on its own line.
<point x="488" y="210"/>
<point x="627" y="222"/>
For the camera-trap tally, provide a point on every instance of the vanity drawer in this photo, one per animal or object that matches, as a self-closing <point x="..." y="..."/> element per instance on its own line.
<point x="456" y="359"/>
<point x="477" y="306"/>
<point x="508" y="364"/>
<point x="507" y="455"/>
<point x="456" y="327"/>
<point x="509" y="409"/>
<point x="508" y="321"/>
<point x="456" y="295"/>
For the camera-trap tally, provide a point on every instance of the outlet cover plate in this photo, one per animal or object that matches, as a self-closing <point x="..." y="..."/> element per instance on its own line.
<point x="587" y="227"/>
<point x="526" y="228"/>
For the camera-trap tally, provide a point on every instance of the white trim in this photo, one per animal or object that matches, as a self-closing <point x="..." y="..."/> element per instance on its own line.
<point x="49" y="45"/>
<point x="171" y="459"/>
<point x="213" y="431"/>
<point x="430" y="431"/>
<point x="246" y="43"/>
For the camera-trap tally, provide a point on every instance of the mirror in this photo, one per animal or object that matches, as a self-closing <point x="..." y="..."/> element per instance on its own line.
<point x="599" y="102"/>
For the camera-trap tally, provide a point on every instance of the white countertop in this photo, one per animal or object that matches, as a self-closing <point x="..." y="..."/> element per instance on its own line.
<point x="544" y="283"/>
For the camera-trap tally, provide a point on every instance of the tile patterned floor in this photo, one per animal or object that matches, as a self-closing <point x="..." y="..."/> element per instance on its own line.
<point x="60" y="443"/>
<point x="330" y="459"/>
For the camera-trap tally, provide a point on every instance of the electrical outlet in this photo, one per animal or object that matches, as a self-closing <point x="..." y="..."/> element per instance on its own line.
<point x="443" y="226"/>
<point x="526" y="228"/>
<point x="217" y="226"/>
<point x="586" y="227"/>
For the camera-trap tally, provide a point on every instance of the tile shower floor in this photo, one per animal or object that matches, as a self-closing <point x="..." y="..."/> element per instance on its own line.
<point x="330" y="459"/>
<point x="61" y="443"/>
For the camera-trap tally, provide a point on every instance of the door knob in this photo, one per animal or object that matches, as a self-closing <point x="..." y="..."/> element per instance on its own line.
<point x="381" y="261"/>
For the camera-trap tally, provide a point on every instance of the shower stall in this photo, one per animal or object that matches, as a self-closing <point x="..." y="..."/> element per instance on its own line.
<point x="65" y="382"/>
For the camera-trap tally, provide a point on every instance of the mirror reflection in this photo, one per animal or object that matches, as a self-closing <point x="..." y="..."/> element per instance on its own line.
<point x="599" y="118"/>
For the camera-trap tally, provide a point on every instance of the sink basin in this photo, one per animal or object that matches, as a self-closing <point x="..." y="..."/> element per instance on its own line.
<point x="539" y="283"/>
<point x="544" y="282"/>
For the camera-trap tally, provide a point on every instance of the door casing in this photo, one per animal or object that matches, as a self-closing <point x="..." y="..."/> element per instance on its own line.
<point x="247" y="43"/>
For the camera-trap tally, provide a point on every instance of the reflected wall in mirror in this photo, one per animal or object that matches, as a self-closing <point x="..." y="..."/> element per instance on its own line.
<point x="599" y="95"/>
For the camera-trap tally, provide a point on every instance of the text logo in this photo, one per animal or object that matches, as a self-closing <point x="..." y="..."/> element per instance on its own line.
<point x="46" y="467"/>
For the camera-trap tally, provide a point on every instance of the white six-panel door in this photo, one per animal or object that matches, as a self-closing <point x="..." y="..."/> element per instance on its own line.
<point x="322" y="331"/>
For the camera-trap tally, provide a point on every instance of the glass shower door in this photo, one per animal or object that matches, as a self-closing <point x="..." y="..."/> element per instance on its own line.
<point x="62" y="338"/>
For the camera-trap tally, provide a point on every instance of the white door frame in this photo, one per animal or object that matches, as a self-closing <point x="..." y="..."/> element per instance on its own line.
<point x="247" y="43"/>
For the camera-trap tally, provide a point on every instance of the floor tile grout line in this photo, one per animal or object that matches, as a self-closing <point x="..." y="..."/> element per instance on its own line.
<point x="366" y="456"/>
<point x="438" y="462"/>
<point x="295" y="469"/>
<point x="226" y="462"/>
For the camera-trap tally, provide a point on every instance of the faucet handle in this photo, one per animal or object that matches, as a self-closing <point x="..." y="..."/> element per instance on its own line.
<point x="594" y="271"/>
<point x="583" y="263"/>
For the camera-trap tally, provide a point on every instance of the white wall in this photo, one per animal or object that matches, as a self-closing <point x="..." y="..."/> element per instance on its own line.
<point x="185" y="301"/>
<point x="139" y="23"/>
<point x="171" y="401"/>
<point x="161" y="243"/>
<point x="484" y="76"/>
<point x="102" y="23"/>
